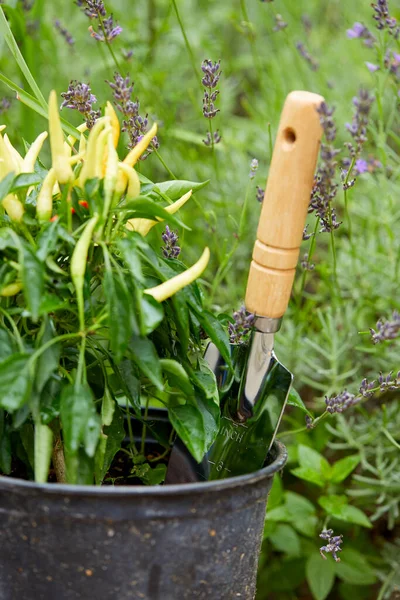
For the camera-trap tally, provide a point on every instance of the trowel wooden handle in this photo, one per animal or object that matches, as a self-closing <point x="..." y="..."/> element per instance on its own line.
<point x="285" y="206"/>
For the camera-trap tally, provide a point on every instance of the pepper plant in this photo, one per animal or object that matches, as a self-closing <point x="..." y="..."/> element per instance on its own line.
<point x="96" y="325"/>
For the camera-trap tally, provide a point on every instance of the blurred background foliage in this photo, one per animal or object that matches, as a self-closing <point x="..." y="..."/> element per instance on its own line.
<point x="325" y="338"/>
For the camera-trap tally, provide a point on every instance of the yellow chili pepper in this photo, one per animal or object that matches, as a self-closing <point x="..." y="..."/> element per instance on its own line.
<point x="172" y="286"/>
<point x="44" y="205"/>
<point x="111" y="173"/>
<point x="132" y="179"/>
<point x="14" y="159"/>
<point x="28" y="162"/>
<point x="58" y="153"/>
<point x="137" y="151"/>
<point x="13" y="207"/>
<point x="11" y="290"/>
<point x="110" y="112"/>
<point x="89" y="169"/>
<point x="143" y="226"/>
<point x="78" y="263"/>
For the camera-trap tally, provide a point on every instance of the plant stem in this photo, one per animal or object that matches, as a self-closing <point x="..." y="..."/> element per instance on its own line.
<point x="58" y="457"/>
<point x="301" y="429"/>
<point x="188" y="47"/>
<point x="144" y="428"/>
<point x="346" y="207"/>
<point x="14" y="328"/>
<point x="109" y="47"/>
<point x="164" y="164"/>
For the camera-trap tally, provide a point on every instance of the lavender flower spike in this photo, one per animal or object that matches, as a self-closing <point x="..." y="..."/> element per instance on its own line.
<point x="79" y="97"/>
<point x="386" y="330"/>
<point x="111" y="31"/>
<point x="253" y="168"/>
<point x="170" y="239"/>
<point x="333" y="545"/>
<point x="239" y="330"/>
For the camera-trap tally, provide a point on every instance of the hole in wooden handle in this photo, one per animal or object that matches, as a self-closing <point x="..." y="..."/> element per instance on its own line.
<point x="289" y="138"/>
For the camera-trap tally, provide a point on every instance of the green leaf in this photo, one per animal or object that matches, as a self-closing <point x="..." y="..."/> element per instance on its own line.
<point x="311" y="459"/>
<point x="177" y="376"/>
<point x="309" y="474"/>
<point x="47" y="240"/>
<point x="275" y="497"/>
<point x="302" y="512"/>
<point x="14" y="382"/>
<point x="215" y="332"/>
<point x="143" y="208"/>
<point x="7" y="344"/>
<point x="151" y="312"/>
<point x="108" y="406"/>
<point x="320" y="575"/>
<point x="338" y="507"/>
<point x="80" y="425"/>
<point x="48" y="362"/>
<point x="32" y="280"/>
<point x="128" y="247"/>
<point x="25" y="180"/>
<point x="130" y="383"/>
<point x="120" y="315"/>
<point x="279" y="514"/>
<point x="109" y="445"/>
<point x="286" y="540"/>
<point x="294" y="399"/>
<point x="342" y="468"/>
<point x="175" y="189"/>
<point x="188" y="423"/>
<point x="354" y="568"/>
<point x="145" y="356"/>
<point x="43" y="451"/>
<point x="206" y="381"/>
<point x="5" y="185"/>
<point x="155" y="475"/>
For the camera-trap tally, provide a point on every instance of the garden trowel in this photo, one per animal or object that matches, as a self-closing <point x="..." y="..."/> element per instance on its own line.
<point x="253" y="394"/>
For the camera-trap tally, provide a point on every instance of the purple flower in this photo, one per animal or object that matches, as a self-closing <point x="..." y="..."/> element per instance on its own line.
<point x="305" y="264"/>
<point x="386" y="330"/>
<point x="241" y="327"/>
<point x="279" y="23"/>
<point x="111" y="31"/>
<point x="64" y="32"/>
<point x="383" y="19"/>
<point x="5" y="104"/>
<point x="260" y="194"/>
<point x="306" y="235"/>
<point x="92" y="8"/>
<point x="253" y="168"/>
<point x="371" y="67"/>
<point x="333" y="545"/>
<point x="134" y="124"/>
<point x="361" y="166"/>
<point x="339" y="403"/>
<point x="216" y="138"/>
<point x="359" y="31"/>
<point x="356" y="31"/>
<point x="358" y="127"/>
<point x="313" y="64"/>
<point x="79" y="97"/>
<point x="170" y="239"/>
<point x="212" y="74"/>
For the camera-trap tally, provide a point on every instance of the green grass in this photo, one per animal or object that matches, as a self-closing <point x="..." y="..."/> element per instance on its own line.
<point x="325" y="336"/>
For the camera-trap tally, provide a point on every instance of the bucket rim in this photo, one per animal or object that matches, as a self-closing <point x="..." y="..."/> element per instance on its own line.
<point x="156" y="491"/>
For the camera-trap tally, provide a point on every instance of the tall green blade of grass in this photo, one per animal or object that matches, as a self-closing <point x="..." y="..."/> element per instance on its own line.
<point x="35" y="105"/>
<point x="7" y="35"/>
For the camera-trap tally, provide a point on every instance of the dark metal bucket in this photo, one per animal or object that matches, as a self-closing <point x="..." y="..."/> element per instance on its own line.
<point x="172" y="542"/>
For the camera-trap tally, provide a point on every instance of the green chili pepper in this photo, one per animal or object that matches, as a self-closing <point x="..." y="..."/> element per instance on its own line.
<point x="78" y="264"/>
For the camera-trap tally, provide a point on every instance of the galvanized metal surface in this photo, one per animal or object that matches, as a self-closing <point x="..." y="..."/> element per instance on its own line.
<point x="173" y="542"/>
